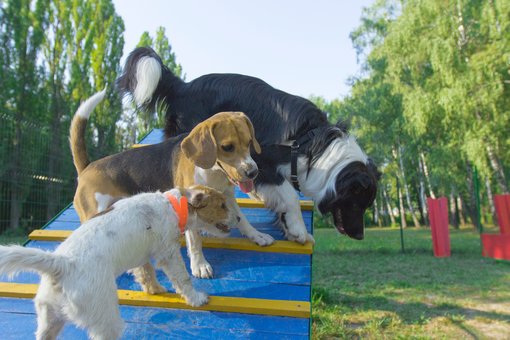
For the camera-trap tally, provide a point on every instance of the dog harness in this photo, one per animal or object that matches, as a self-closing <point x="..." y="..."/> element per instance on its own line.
<point x="294" y="154"/>
<point x="180" y="208"/>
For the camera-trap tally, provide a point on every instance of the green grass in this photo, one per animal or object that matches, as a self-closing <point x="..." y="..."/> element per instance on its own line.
<point x="369" y="289"/>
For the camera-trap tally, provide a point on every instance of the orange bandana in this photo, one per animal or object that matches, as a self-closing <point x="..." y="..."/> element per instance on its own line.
<point x="181" y="210"/>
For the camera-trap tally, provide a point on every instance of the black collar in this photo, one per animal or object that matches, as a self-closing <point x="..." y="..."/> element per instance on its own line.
<point x="294" y="153"/>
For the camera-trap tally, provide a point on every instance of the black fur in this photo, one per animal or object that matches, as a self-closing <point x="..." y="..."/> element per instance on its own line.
<point x="276" y="116"/>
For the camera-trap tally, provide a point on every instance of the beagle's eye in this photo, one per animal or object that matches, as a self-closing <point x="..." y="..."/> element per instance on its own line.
<point x="228" y="147"/>
<point x="223" y="206"/>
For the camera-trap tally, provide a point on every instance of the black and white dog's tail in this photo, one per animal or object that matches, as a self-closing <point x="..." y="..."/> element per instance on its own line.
<point x="78" y="129"/>
<point x="15" y="259"/>
<point x="147" y="79"/>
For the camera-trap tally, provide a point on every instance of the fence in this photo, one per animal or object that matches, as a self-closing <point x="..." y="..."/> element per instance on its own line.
<point x="37" y="177"/>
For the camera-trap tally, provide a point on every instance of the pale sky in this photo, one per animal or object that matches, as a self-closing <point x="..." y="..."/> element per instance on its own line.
<point x="301" y="47"/>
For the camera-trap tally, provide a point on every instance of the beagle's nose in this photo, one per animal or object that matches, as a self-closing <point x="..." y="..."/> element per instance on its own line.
<point x="252" y="173"/>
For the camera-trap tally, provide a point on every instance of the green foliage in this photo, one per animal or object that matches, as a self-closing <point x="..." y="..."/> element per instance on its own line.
<point x="105" y="56"/>
<point x="451" y="74"/>
<point x="53" y="55"/>
<point x="434" y="90"/>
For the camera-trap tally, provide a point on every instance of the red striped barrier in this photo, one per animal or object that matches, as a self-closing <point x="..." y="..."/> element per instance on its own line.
<point x="502" y="205"/>
<point x="438" y="214"/>
<point x="496" y="246"/>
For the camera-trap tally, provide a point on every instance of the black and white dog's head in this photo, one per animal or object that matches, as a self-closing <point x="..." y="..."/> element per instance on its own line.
<point x="355" y="190"/>
<point x="346" y="184"/>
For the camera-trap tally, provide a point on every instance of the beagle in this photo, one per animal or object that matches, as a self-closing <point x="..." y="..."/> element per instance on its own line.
<point x="78" y="278"/>
<point x="215" y="153"/>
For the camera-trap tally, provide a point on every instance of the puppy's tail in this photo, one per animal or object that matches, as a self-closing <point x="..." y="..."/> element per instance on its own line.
<point x="16" y="259"/>
<point x="147" y="79"/>
<point x="77" y="131"/>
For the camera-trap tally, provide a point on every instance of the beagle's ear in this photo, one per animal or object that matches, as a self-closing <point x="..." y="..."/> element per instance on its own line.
<point x="254" y="141"/>
<point x="200" y="146"/>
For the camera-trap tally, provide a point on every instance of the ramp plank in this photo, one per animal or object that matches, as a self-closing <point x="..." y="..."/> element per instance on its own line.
<point x="298" y="309"/>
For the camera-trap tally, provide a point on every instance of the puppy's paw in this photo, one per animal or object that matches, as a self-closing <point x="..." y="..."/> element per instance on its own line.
<point x="261" y="239"/>
<point x="154" y="288"/>
<point x="309" y="238"/>
<point x="202" y="270"/>
<point x="196" y="299"/>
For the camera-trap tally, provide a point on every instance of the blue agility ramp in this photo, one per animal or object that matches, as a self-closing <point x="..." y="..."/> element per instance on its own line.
<point x="259" y="293"/>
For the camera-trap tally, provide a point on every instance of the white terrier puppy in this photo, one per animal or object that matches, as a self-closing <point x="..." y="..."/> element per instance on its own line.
<point x="78" y="278"/>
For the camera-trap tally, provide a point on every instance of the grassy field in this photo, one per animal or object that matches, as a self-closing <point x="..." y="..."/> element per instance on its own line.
<point x="370" y="289"/>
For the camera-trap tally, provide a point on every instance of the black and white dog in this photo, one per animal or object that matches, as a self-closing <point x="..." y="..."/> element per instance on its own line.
<point x="300" y="148"/>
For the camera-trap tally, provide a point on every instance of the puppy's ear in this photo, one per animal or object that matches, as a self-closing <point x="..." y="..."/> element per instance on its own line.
<point x="200" y="146"/>
<point x="254" y="141"/>
<point x="197" y="199"/>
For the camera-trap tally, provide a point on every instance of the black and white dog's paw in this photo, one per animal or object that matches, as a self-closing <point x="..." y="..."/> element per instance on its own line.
<point x="293" y="233"/>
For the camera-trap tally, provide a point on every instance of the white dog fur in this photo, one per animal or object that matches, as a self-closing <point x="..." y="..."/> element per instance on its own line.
<point x="78" y="278"/>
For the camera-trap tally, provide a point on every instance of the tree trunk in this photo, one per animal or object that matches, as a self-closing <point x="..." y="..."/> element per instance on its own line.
<point x="425" y="170"/>
<point x="377" y="220"/>
<point x="402" y="211"/>
<point x="406" y="191"/>
<point x="495" y="162"/>
<point x="471" y="206"/>
<point x="490" y="199"/>
<point x="422" y="199"/>
<point x="461" y="212"/>
<point x="389" y="207"/>
<point x="498" y="170"/>
<point x="423" y="219"/>
<point x="453" y="210"/>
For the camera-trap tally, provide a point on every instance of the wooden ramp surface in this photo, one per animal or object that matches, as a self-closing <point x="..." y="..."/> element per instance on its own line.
<point x="254" y="294"/>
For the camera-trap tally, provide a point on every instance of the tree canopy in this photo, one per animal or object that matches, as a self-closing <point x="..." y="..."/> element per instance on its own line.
<point x="431" y="102"/>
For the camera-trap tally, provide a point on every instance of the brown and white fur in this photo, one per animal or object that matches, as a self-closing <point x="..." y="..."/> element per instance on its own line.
<point x="78" y="278"/>
<point x="215" y="153"/>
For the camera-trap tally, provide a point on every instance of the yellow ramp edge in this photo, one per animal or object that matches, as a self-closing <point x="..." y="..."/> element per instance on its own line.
<point x="232" y="243"/>
<point x="251" y="203"/>
<point x="297" y="309"/>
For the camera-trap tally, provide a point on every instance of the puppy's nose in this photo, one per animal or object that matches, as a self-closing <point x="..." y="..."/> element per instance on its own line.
<point x="238" y="219"/>
<point x="252" y="173"/>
